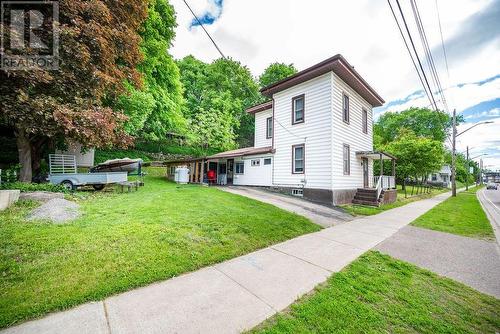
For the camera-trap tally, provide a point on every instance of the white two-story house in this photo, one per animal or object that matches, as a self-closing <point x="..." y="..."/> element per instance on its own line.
<point x="313" y="138"/>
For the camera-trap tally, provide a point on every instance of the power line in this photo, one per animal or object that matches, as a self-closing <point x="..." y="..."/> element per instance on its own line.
<point x="409" y="53"/>
<point x="428" y="53"/>
<point x="225" y="58"/>
<point x="444" y="50"/>
<point x="416" y="54"/>
<point x="205" y="30"/>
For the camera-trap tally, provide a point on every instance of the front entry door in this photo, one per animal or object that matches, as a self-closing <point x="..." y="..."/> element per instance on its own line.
<point x="365" y="172"/>
<point x="230" y="168"/>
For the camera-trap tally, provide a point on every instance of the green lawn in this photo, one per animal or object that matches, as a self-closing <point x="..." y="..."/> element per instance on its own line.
<point x="462" y="215"/>
<point x="378" y="294"/>
<point x="128" y="240"/>
<point x="365" y="210"/>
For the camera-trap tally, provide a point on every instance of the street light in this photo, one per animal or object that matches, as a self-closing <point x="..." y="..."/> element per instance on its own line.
<point x="453" y="156"/>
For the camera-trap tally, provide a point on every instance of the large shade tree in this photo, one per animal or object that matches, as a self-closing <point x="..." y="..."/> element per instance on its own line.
<point x="417" y="156"/>
<point x="99" y="51"/>
<point x="422" y="121"/>
<point x="216" y="97"/>
<point x="156" y="109"/>
<point x="276" y="72"/>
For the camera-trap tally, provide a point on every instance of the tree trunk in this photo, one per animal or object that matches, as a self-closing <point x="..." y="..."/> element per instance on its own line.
<point x="24" y="149"/>
<point x="36" y="155"/>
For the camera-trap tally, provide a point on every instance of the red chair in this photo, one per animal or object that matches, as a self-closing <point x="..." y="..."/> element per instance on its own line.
<point x="212" y="177"/>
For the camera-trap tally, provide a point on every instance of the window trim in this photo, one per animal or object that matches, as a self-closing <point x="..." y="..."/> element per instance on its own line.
<point x="256" y="164"/>
<point x="348" y="172"/>
<point x="303" y="97"/>
<point x="236" y="163"/>
<point x="270" y="161"/>
<point x="344" y="119"/>
<point x="269" y="134"/>
<point x="364" y="117"/>
<point x="303" y="158"/>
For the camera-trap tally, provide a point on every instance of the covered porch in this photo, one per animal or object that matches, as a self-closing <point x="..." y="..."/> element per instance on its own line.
<point x="223" y="168"/>
<point x="382" y="188"/>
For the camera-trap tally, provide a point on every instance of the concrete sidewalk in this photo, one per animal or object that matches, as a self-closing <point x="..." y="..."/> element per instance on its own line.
<point x="473" y="262"/>
<point x="238" y="294"/>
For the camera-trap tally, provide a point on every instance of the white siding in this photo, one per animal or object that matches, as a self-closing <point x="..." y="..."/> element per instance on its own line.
<point x="351" y="134"/>
<point x="254" y="175"/>
<point x="260" y="129"/>
<point x="315" y="133"/>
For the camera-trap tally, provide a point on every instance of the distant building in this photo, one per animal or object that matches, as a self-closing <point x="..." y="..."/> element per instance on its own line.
<point x="491" y="177"/>
<point x="441" y="178"/>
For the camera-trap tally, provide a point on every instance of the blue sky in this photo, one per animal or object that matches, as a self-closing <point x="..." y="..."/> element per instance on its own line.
<point x="260" y="32"/>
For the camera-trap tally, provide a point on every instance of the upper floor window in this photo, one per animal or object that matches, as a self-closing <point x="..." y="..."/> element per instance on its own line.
<point x="345" y="108"/>
<point x="365" y="120"/>
<point x="347" y="159"/>
<point x="269" y="127"/>
<point x="298" y="109"/>
<point x="298" y="159"/>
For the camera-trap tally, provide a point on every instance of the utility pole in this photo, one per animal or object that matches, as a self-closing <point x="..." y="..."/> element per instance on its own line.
<point x="481" y="171"/>
<point x="467" y="174"/>
<point x="453" y="156"/>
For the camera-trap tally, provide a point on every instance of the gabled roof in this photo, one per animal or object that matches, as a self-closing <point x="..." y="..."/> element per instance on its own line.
<point x="339" y="66"/>
<point x="260" y="107"/>
<point x="242" y="152"/>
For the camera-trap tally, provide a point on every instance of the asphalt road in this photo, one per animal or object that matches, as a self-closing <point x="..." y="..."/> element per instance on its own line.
<point x="490" y="199"/>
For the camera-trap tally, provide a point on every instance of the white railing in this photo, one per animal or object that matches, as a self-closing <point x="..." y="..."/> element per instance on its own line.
<point x="378" y="185"/>
<point x="62" y="164"/>
<point x="384" y="182"/>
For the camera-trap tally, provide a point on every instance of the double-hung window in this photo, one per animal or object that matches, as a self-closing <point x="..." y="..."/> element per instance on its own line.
<point x="239" y="167"/>
<point x="347" y="159"/>
<point x="365" y="120"/>
<point x="345" y="108"/>
<point x="269" y="127"/>
<point x="298" y="109"/>
<point x="298" y="159"/>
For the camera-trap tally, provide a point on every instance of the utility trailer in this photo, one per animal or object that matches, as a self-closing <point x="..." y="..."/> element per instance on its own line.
<point x="62" y="170"/>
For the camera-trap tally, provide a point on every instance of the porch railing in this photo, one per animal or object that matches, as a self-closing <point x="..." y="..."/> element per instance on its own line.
<point x="384" y="182"/>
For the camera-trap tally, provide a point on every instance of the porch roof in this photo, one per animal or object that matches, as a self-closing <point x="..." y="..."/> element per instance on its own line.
<point x="242" y="152"/>
<point x="375" y="155"/>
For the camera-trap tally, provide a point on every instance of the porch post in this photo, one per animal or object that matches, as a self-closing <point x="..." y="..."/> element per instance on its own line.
<point x="381" y="171"/>
<point x="394" y="172"/>
<point x="202" y="170"/>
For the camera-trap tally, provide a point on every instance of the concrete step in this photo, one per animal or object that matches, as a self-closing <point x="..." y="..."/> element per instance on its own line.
<point x="366" y="202"/>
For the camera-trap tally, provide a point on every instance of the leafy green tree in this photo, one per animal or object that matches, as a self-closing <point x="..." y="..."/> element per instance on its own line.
<point x="157" y="108"/>
<point x="276" y="72"/>
<point x="99" y="51"/>
<point x="216" y="96"/>
<point x="422" y="121"/>
<point x="417" y="156"/>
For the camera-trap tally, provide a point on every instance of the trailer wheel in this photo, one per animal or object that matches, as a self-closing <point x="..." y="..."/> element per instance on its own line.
<point x="98" y="186"/>
<point x="67" y="184"/>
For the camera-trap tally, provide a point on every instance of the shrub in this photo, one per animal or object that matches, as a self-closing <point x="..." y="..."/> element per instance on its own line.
<point x="26" y="187"/>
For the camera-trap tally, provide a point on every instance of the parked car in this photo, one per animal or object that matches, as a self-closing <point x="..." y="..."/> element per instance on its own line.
<point x="492" y="186"/>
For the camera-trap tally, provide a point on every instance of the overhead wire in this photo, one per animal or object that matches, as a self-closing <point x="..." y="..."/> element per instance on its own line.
<point x="416" y="54"/>
<point x="410" y="54"/>
<point x="225" y="58"/>
<point x="428" y="53"/>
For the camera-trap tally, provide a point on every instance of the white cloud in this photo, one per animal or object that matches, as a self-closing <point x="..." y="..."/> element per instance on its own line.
<point x="462" y="96"/>
<point x="495" y="112"/>
<point x="259" y="32"/>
